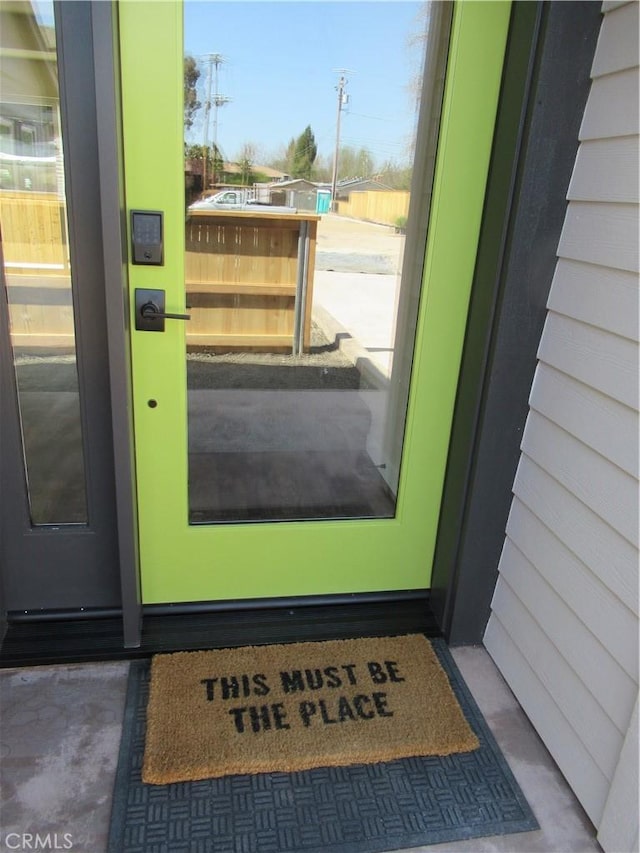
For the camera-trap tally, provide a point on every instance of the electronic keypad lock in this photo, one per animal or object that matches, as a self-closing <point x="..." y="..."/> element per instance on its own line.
<point x="146" y="237"/>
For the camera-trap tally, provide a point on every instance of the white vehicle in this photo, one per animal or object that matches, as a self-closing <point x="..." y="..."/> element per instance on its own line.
<point x="238" y="200"/>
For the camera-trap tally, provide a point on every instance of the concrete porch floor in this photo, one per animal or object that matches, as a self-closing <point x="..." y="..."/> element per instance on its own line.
<point x="60" y="734"/>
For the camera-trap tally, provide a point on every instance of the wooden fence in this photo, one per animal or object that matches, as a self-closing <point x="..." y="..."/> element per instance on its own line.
<point x="33" y="232"/>
<point x="241" y="276"/>
<point x="36" y="259"/>
<point x="382" y="206"/>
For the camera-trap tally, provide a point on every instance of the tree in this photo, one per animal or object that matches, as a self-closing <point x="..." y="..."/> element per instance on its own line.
<point x="191" y="102"/>
<point x="417" y="44"/>
<point x="214" y="159"/>
<point x="196" y="152"/>
<point x="322" y="168"/>
<point x="289" y="157"/>
<point x="396" y="176"/>
<point x="304" y="154"/>
<point x="355" y="163"/>
<point x="282" y="159"/>
<point x="365" y="163"/>
<point x="246" y="160"/>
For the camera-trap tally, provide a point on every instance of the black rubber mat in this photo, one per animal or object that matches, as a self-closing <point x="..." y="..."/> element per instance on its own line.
<point x="357" y="809"/>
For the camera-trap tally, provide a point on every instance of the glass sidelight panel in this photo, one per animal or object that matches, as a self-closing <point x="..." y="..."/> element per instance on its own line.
<point x="309" y="150"/>
<point x="37" y="275"/>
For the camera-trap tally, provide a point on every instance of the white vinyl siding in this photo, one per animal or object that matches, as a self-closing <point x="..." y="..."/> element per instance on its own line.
<point x="564" y="621"/>
<point x="606" y="169"/>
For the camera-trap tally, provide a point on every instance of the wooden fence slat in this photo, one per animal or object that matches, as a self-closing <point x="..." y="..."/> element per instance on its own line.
<point x="33" y="232"/>
<point x="241" y="272"/>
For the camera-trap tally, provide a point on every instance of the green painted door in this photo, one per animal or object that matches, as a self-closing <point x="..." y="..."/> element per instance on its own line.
<point x="291" y="437"/>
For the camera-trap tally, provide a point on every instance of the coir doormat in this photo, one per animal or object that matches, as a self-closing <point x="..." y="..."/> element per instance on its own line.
<point x="365" y="808"/>
<point x="292" y="707"/>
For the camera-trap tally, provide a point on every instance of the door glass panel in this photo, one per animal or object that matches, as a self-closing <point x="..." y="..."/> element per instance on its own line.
<point x="37" y="273"/>
<point x="303" y="252"/>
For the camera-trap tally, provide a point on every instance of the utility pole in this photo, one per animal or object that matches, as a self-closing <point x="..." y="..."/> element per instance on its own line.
<point x="342" y="100"/>
<point x="216" y="100"/>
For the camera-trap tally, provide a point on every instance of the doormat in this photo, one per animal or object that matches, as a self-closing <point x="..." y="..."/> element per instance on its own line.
<point x="263" y="709"/>
<point x="366" y="808"/>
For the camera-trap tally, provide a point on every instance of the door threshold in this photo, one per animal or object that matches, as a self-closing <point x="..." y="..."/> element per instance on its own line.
<point x="34" y="643"/>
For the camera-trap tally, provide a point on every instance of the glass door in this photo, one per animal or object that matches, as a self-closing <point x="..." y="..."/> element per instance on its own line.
<point x="58" y="534"/>
<point x="37" y="269"/>
<point x="305" y="184"/>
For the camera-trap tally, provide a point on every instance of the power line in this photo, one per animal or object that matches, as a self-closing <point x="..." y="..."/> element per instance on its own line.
<point x="343" y="100"/>
<point x="216" y="100"/>
<point x="375" y="118"/>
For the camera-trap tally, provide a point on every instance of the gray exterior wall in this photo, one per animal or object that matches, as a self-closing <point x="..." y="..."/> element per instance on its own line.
<point x="545" y="88"/>
<point x="564" y="622"/>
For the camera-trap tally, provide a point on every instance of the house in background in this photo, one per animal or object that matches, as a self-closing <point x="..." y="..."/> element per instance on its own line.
<point x="300" y="193"/>
<point x="229" y="171"/>
<point x="29" y="126"/>
<point x="266" y="171"/>
<point x="537" y="548"/>
<point x="345" y="187"/>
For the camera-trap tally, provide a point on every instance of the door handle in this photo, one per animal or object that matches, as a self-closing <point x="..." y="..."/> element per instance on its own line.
<point x="150" y="313"/>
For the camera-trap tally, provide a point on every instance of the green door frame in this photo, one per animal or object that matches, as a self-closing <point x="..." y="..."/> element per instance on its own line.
<point x="167" y="543"/>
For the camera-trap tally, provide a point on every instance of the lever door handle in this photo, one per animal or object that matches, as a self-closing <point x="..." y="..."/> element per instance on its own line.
<point x="149" y="311"/>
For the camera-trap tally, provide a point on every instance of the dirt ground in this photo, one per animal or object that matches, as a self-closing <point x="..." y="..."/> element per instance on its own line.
<point x="350" y="245"/>
<point x="339" y="234"/>
<point x="346" y="245"/>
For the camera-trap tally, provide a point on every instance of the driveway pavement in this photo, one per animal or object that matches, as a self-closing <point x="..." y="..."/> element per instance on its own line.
<point x="364" y="307"/>
<point x="356" y="283"/>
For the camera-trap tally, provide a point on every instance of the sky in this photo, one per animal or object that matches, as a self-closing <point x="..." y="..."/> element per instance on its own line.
<point x="280" y="69"/>
<point x="44" y="12"/>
